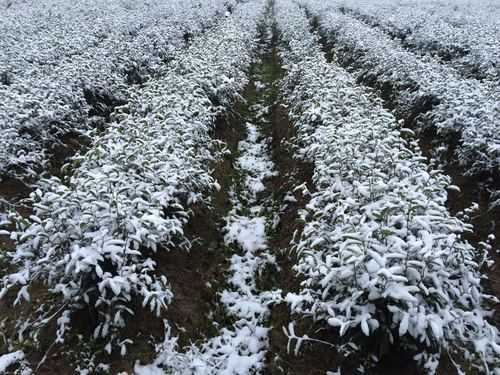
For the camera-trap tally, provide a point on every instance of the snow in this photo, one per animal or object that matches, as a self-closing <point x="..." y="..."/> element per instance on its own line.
<point x="94" y="49"/>
<point x="252" y="159"/>
<point x="9" y="359"/>
<point x="132" y="191"/>
<point x="249" y="233"/>
<point x="377" y="229"/>
<point x="148" y="370"/>
<point x="464" y="34"/>
<point x="379" y="250"/>
<point x="460" y="103"/>
<point x="241" y="348"/>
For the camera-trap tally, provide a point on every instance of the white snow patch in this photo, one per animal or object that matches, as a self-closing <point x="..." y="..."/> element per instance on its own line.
<point x="249" y="233"/>
<point x="254" y="160"/>
<point x="10" y="359"/>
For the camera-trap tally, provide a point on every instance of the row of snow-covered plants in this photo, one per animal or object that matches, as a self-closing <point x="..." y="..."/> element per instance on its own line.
<point x="437" y="66"/>
<point x="63" y="64"/>
<point x="376" y="254"/>
<point x="379" y="251"/>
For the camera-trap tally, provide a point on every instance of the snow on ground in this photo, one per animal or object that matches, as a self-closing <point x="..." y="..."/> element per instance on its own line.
<point x="249" y="233"/>
<point x="246" y="233"/>
<point x="10" y="359"/>
<point x="246" y="227"/>
<point x="253" y="159"/>
<point x="241" y="348"/>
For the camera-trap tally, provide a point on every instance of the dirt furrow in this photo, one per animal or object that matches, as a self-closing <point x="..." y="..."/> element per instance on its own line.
<point x="290" y="188"/>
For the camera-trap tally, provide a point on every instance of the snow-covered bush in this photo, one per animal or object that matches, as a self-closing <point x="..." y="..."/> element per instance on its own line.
<point x="242" y="347"/>
<point x="461" y="33"/>
<point x="379" y="252"/>
<point x="56" y="56"/>
<point x="92" y="242"/>
<point x="420" y="86"/>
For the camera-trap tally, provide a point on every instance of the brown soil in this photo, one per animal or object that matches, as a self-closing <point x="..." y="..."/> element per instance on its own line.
<point x="312" y="359"/>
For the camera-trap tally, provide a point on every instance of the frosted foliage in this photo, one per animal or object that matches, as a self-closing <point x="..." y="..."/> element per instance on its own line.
<point x="58" y="58"/>
<point x="93" y="240"/>
<point x="438" y="93"/>
<point x="379" y="250"/>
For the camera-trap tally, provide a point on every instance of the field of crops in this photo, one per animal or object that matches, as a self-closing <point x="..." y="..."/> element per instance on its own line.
<point x="249" y="187"/>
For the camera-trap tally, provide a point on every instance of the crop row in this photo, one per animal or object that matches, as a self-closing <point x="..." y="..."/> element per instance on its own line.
<point x="379" y="254"/>
<point x="423" y="91"/>
<point x="40" y="36"/>
<point x="64" y="67"/>
<point x="240" y="347"/>
<point x="92" y="242"/>
<point x="463" y="35"/>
